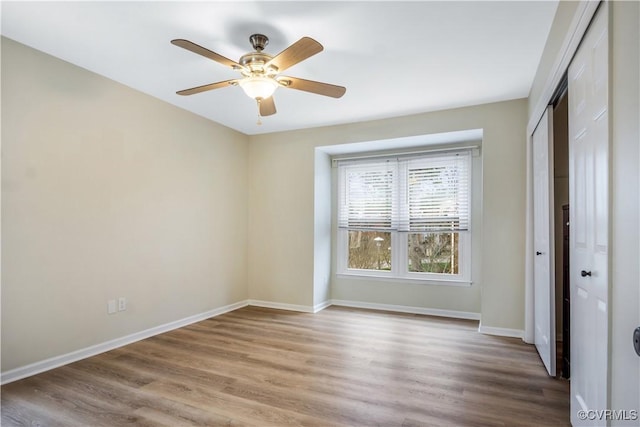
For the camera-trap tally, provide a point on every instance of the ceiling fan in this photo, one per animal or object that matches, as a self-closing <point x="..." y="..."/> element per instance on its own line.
<point x="261" y="71"/>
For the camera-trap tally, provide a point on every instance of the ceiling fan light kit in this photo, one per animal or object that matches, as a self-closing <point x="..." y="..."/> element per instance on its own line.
<point x="258" y="87"/>
<point x="260" y="71"/>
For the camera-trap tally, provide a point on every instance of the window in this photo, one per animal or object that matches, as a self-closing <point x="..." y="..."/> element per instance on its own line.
<point x="406" y="217"/>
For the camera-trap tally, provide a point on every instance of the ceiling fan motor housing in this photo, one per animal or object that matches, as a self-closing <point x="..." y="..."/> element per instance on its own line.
<point x="255" y="62"/>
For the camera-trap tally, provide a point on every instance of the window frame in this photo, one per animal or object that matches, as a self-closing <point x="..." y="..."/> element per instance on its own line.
<point x="399" y="247"/>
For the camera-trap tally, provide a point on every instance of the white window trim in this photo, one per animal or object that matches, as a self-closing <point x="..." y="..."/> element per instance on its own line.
<point x="399" y="258"/>
<point x="408" y="280"/>
<point x="399" y="263"/>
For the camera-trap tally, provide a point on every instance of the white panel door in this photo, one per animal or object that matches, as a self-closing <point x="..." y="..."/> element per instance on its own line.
<point x="589" y="220"/>
<point x="544" y="299"/>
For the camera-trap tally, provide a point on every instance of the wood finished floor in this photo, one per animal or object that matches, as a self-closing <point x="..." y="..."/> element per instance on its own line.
<point x="338" y="367"/>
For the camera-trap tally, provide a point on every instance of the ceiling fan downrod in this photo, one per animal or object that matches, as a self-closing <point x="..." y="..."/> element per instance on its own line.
<point x="259" y="41"/>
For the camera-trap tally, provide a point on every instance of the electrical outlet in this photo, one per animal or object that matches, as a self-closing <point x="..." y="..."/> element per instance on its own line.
<point x="111" y="306"/>
<point x="122" y="304"/>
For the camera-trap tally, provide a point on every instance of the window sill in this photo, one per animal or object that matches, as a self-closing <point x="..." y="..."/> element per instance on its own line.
<point x="412" y="280"/>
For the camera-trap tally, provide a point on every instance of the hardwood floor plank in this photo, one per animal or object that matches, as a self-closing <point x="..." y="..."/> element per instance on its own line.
<point x="226" y="404"/>
<point x="145" y="405"/>
<point x="263" y="367"/>
<point x="20" y="410"/>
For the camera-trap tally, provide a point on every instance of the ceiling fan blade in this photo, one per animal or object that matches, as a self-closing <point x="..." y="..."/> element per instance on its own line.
<point x="186" y="44"/>
<point x="205" y="88"/>
<point x="267" y="106"/>
<point x="320" y="88"/>
<point x="304" y="48"/>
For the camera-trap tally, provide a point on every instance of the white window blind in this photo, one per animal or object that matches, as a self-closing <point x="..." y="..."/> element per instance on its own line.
<point x="427" y="194"/>
<point x="438" y="196"/>
<point x="366" y="195"/>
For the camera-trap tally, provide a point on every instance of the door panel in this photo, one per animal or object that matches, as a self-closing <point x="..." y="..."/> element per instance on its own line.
<point x="543" y="266"/>
<point x="579" y="220"/>
<point x="589" y="219"/>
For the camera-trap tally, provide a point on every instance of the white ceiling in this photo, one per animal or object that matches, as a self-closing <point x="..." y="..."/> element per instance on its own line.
<point x="394" y="58"/>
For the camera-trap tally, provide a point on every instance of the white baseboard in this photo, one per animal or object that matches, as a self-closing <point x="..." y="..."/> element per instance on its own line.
<point x="373" y="306"/>
<point x="501" y="332"/>
<point x="281" y="306"/>
<point x="487" y="330"/>
<point x="321" y="306"/>
<point x="408" y="309"/>
<point x="57" y="361"/>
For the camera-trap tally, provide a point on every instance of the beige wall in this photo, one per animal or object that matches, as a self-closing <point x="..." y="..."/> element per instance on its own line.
<point x="281" y="201"/>
<point x="281" y="222"/>
<point x="107" y="192"/>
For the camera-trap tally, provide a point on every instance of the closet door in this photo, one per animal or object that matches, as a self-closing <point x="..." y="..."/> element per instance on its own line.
<point x="589" y="220"/>
<point x="544" y="300"/>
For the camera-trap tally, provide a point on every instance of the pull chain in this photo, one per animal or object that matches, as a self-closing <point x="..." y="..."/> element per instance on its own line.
<point x="259" y="122"/>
